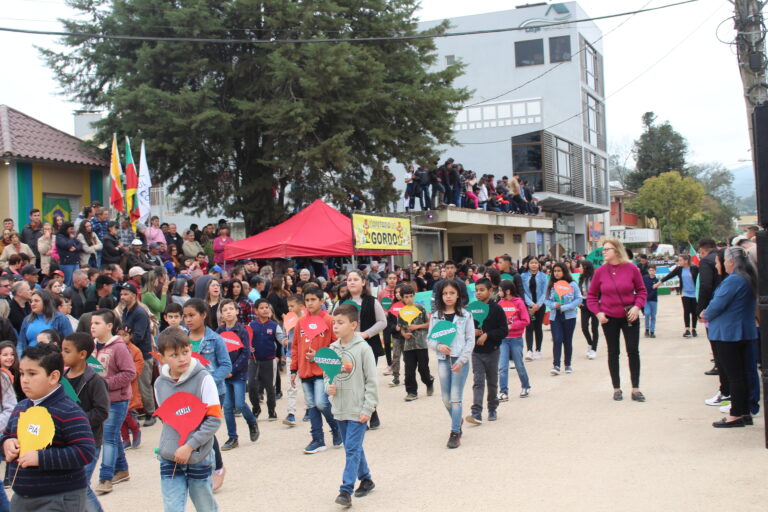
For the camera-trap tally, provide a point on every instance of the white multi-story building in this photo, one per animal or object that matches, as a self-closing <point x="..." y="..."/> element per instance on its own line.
<point x="537" y="111"/>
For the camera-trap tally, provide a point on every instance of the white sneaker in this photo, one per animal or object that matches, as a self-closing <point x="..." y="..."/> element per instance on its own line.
<point x="555" y="370"/>
<point x="717" y="400"/>
<point x="529" y="356"/>
<point x="591" y="354"/>
<point x="525" y="392"/>
<point x="725" y="407"/>
<point x="537" y="354"/>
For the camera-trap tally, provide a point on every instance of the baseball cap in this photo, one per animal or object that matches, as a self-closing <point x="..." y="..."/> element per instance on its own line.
<point x="29" y="269"/>
<point x="136" y="271"/>
<point x="136" y="241"/>
<point x="130" y="287"/>
<point x="216" y="268"/>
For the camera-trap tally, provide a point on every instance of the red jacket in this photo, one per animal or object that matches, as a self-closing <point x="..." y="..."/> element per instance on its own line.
<point x="517" y="316"/>
<point x="299" y="362"/>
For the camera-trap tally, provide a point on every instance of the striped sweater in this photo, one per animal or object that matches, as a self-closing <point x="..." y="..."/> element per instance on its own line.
<point x="62" y="465"/>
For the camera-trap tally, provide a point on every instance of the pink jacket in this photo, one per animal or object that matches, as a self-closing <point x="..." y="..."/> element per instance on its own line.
<point x="218" y="249"/>
<point x="119" y="368"/>
<point x="517" y="316"/>
<point x="614" y="287"/>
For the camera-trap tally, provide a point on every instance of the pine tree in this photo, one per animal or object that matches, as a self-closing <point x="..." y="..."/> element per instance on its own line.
<point x="659" y="149"/>
<point x="232" y="126"/>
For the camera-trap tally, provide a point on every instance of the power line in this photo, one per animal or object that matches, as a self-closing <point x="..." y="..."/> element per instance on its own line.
<point x="627" y="84"/>
<point x="413" y="37"/>
<point x="551" y="69"/>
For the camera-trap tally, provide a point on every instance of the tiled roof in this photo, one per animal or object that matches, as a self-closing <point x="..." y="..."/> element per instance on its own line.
<point x="22" y="136"/>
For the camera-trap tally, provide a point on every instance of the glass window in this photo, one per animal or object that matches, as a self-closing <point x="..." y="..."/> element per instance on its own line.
<point x="594" y="121"/>
<point x="560" y="49"/>
<point x="535" y="180"/>
<point x="474" y="114"/>
<point x="590" y="66"/>
<point x="461" y="116"/>
<point x="534" y="108"/>
<point x="526" y="158"/>
<point x="450" y="59"/>
<point x="527" y="138"/>
<point x="504" y="111"/>
<point x="529" y="53"/>
<point x="563" y="166"/>
<point x="489" y="113"/>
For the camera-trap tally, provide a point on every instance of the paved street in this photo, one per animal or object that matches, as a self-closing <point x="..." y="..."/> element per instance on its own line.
<point x="568" y="446"/>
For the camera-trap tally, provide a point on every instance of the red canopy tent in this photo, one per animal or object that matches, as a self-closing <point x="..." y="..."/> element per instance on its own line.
<point x="316" y="231"/>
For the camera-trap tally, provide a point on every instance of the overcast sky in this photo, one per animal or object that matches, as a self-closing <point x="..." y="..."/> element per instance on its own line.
<point x="696" y="87"/>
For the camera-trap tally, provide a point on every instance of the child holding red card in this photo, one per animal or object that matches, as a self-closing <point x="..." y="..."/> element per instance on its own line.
<point x="232" y="329"/>
<point x="186" y="450"/>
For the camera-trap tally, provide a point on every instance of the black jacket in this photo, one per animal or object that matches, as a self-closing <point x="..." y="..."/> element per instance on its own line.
<point x="94" y="401"/>
<point x="709" y="279"/>
<point x="78" y="304"/>
<point x="111" y="253"/>
<point x="495" y="326"/>
<point x="6" y="330"/>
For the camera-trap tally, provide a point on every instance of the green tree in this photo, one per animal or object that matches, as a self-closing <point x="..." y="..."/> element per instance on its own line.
<point x="673" y="200"/>
<point x="231" y="127"/>
<point x="659" y="149"/>
<point x="383" y="189"/>
<point x="720" y="200"/>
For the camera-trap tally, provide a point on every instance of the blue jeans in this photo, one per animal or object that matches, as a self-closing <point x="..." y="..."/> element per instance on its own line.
<point x="193" y="479"/>
<point x="512" y="347"/>
<point x="355" y="467"/>
<point x="68" y="271"/>
<point x="319" y="406"/>
<point x="649" y="310"/>
<point x="235" y="400"/>
<point x="113" y="459"/>
<point x="562" y="336"/>
<point x="452" y="389"/>
<point x="5" y="505"/>
<point x="456" y="195"/>
<point x="93" y="502"/>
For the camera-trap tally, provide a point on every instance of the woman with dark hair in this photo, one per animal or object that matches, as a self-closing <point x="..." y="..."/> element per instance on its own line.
<point x="278" y="297"/>
<point x="563" y="305"/>
<point x="180" y="291"/>
<point x="420" y="280"/>
<point x="112" y="250"/>
<point x="589" y="323"/>
<point x="212" y="300"/>
<point x="373" y="320"/>
<point x="534" y="287"/>
<point x="89" y="242"/>
<point x="688" y="275"/>
<point x="68" y="247"/>
<point x="732" y="327"/>
<point x="43" y="316"/>
<point x="245" y="313"/>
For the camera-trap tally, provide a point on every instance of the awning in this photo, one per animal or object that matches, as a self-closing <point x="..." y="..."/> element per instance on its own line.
<point x="568" y="204"/>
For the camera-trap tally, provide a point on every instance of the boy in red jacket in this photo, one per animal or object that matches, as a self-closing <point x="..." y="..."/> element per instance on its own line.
<point x="116" y="366"/>
<point x="314" y="331"/>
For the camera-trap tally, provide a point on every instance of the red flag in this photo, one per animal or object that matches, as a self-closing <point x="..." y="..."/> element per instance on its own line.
<point x="183" y="412"/>
<point x="200" y="358"/>
<point x="232" y="341"/>
<point x="694" y="254"/>
<point x="395" y="308"/>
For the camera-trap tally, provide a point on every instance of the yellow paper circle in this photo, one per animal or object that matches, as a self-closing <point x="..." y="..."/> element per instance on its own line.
<point x="35" y="429"/>
<point x="409" y="314"/>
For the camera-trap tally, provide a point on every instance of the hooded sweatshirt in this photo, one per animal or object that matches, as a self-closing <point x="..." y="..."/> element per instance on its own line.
<point x="197" y="381"/>
<point x="356" y="388"/>
<point x="119" y="369"/>
<point x="94" y="400"/>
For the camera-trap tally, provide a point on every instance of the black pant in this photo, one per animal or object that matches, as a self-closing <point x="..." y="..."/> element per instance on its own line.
<point x="689" y="312"/>
<point x="535" y="327"/>
<point x="388" y="344"/>
<point x="413" y="359"/>
<point x="733" y="362"/>
<point x="725" y="388"/>
<point x="261" y="373"/>
<point x="613" y="330"/>
<point x="589" y="327"/>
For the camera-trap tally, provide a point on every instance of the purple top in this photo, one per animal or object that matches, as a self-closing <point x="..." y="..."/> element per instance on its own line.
<point x="616" y="286"/>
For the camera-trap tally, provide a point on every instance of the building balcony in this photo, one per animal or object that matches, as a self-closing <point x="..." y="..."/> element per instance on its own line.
<point x="624" y="219"/>
<point x="457" y="218"/>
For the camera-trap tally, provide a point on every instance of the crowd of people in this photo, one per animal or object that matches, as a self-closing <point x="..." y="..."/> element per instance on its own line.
<point x="126" y="319"/>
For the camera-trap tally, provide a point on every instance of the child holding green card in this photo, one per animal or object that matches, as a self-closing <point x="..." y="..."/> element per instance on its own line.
<point x="452" y="337"/>
<point x="415" y="352"/>
<point x="355" y="396"/>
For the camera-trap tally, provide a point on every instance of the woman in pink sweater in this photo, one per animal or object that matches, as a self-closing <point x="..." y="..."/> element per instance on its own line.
<point x="616" y="296"/>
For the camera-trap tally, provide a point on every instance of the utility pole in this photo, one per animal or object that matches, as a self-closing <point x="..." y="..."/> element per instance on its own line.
<point x="750" y="45"/>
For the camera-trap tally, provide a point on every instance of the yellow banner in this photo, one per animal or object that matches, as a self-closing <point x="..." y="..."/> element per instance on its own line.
<point x="381" y="233"/>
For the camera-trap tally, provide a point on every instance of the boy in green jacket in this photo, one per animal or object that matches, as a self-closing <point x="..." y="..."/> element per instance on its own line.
<point x="354" y="396"/>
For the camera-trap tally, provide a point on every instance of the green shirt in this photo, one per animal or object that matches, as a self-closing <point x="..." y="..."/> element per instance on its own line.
<point x="196" y="345"/>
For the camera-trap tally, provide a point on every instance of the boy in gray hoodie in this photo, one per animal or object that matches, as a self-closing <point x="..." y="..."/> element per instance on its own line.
<point x="186" y="467"/>
<point x="354" y="395"/>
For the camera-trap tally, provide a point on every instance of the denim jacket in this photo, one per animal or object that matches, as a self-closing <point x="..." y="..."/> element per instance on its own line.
<point x="570" y="306"/>
<point x="214" y="350"/>
<point x="463" y="343"/>
<point x="541" y="288"/>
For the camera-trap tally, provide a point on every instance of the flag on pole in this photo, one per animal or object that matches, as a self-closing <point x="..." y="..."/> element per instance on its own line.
<point x="116" y="188"/>
<point x="131" y="185"/>
<point x="694" y="254"/>
<point x="145" y="183"/>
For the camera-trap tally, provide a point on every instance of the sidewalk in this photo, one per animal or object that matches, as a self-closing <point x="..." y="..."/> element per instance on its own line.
<point x="568" y="446"/>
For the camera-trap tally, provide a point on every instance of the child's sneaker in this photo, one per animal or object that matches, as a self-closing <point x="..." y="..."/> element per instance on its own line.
<point x="555" y="370"/>
<point x="344" y="499"/>
<point x="492" y="416"/>
<point x="395" y="382"/>
<point x="315" y="447"/>
<point x="253" y="430"/>
<point x="653" y="334"/>
<point x="290" y="420"/>
<point x="410" y="397"/>
<point x="337" y="441"/>
<point x="365" y="487"/>
<point x="454" y="441"/>
<point x="388" y="370"/>
<point x="537" y="354"/>
<point x="529" y="356"/>
<point x="231" y="444"/>
<point x="272" y="416"/>
<point x="503" y="397"/>
<point x="431" y="388"/>
<point x="568" y="369"/>
<point x="136" y="439"/>
<point x="126" y="444"/>
<point x="104" y="487"/>
<point x="525" y="392"/>
<point x="475" y="418"/>
<point x="306" y="416"/>
<point x="121" y="476"/>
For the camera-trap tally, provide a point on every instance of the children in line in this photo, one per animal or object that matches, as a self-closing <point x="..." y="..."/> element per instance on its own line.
<point x="235" y="382"/>
<point x="485" y="354"/>
<point x="453" y="359"/>
<point x="262" y="367"/>
<point x="355" y="396"/>
<point x="415" y="348"/>
<point x="518" y="319"/>
<point x="186" y="469"/>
